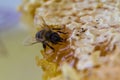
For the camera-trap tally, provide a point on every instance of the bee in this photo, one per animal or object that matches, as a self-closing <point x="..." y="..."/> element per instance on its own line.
<point x="47" y="35"/>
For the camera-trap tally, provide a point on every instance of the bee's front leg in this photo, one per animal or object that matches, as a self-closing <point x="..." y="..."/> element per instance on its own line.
<point x="44" y="45"/>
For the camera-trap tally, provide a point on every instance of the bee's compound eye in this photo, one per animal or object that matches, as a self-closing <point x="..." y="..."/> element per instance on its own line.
<point x="38" y="35"/>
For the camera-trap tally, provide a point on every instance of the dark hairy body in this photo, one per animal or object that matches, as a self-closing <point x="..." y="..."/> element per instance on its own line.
<point x="48" y="36"/>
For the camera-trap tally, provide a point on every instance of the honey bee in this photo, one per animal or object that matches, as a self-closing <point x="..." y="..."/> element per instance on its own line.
<point x="47" y="35"/>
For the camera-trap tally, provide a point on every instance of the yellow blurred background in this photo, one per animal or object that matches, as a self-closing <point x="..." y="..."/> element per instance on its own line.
<point x="17" y="62"/>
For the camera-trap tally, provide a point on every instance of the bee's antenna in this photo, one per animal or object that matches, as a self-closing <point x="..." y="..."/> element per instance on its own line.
<point x="40" y="21"/>
<point x="43" y="22"/>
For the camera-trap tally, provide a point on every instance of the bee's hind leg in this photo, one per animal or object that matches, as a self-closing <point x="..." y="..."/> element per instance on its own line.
<point x="50" y="46"/>
<point x="46" y="44"/>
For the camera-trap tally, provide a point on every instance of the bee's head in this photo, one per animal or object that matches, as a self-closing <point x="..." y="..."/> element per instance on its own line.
<point x="40" y="36"/>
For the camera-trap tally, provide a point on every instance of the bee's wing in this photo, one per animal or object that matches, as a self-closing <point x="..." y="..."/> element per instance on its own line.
<point x="40" y="22"/>
<point x="29" y="41"/>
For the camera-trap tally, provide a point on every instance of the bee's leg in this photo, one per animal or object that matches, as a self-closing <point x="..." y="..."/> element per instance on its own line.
<point x="50" y="46"/>
<point x="62" y="32"/>
<point x="57" y="28"/>
<point x="46" y="44"/>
